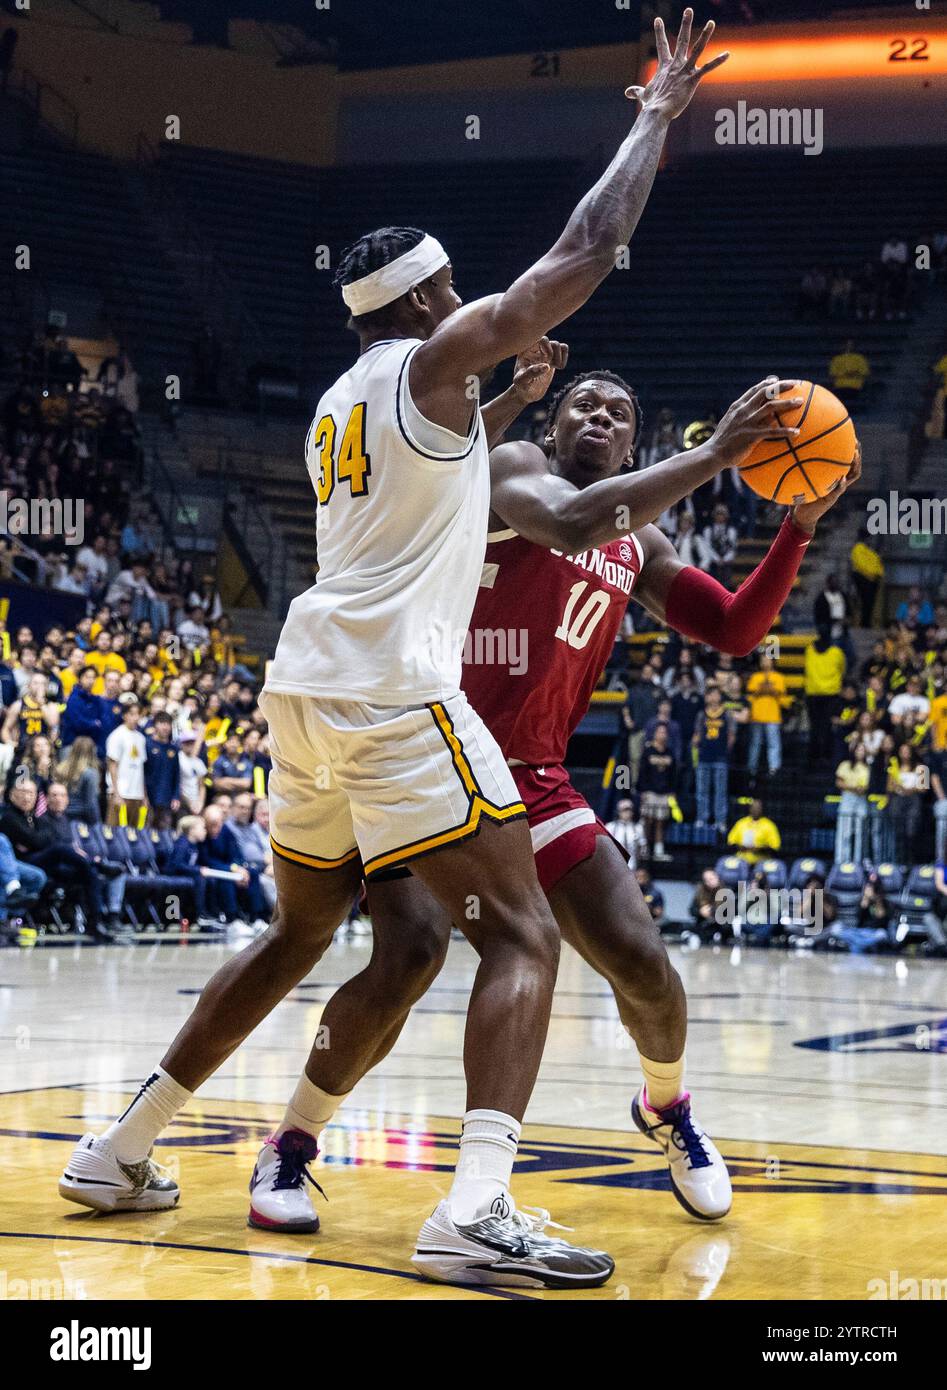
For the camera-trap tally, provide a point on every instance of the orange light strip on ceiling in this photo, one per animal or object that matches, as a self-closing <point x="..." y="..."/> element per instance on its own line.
<point x="882" y="54"/>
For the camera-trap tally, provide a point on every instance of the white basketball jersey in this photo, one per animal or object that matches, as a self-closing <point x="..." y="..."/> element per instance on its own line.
<point x="402" y="509"/>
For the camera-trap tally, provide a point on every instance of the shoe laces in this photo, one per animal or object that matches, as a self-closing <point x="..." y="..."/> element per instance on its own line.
<point x="294" y="1169"/>
<point x="685" y="1135"/>
<point x="532" y="1221"/>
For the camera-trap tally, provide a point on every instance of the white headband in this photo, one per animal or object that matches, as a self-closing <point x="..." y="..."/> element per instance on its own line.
<point x="393" y="280"/>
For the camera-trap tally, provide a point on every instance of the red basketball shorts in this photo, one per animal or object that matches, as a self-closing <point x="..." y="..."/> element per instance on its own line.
<point x="562" y="824"/>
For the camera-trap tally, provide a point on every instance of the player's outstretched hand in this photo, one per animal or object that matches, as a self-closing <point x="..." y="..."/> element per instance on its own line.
<point x="677" y="76"/>
<point x="807" y="514"/>
<point x="754" y="417"/>
<point x="536" y="367"/>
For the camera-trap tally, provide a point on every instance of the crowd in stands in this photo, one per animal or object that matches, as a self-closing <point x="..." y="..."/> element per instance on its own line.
<point x="702" y="728"/>
<point x="879" y="289"/>
<point x="133" y="757"/>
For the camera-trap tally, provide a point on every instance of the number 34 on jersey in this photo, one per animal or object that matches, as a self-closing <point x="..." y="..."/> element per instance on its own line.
<point x="350" y="464"/>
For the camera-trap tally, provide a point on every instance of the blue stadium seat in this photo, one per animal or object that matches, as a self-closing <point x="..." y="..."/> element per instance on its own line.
<point x="916" y="904"/>
<point x="890" y="879"/>
<point x="805" y="868"/>
<point x="846" y="883"/>
<point x="732" y="870"/>
<point x="777" y="875"/>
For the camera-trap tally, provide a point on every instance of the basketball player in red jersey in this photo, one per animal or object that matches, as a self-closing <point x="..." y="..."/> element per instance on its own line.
<point x="571" y="541"/>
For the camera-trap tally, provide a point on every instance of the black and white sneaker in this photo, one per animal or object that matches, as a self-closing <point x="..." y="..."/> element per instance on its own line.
<point x="510" y="1251"/>
<point x="95" y="1178"/>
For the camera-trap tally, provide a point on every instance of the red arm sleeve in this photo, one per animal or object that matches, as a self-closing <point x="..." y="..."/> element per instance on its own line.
<point x="700" y="608"/>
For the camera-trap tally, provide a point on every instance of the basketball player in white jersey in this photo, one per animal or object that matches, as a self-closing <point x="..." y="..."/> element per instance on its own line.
<point x="379" y="761"/>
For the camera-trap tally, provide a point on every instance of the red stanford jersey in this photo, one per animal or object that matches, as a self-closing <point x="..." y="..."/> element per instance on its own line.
<point x="543" y="627"/>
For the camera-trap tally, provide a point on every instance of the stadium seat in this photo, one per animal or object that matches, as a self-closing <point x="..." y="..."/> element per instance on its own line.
<point x="805" y="868"/>
<point x="777" y="875"/>
<point x="846" y="883"/>
<point x="732" y="870"/>
<point x="916" y="905"/>
<point x="890" y="878"/>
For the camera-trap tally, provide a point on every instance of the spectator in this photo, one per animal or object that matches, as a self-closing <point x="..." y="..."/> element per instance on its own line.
<point x="641" y="705"/>
<point x="221" y="852"/>
<point x="720" y="539"/>
<point x="916" y="610"/>
<point x="767" y="691"/>
<point x="895" y="277"/>
<point x="824" y="672"/>
<point x="848" y="372"/>
<point x="686" y="704"/>
<point x="840" y="293"/>
<point x="33" y="713"/>
<point x="629" y="832"/>
<point x="193" y="772"/>
<point x="665" y="440"/>
<point x="831" y="611"/>
<point x="34" y="840"/>
<point x="755" y="836"/>
<point x="704" y="904"/>
<point x="184" y="862"/>
<point x="193" y="631"/>
<point x="125" y="752"/>
<point x="20" y="882"/>
<point x="689" y="544"/>
<point x="232" y="770"/>
<point x="664" y="719"/>
<point x="254" y="844"/>
<point x="80" y="772"/>
<point x="103" y="659"/>
<point x="656" y="782"/>
<point x="112" y="878"/>
<point x="868" y="572"/>
<point x="909" y="708"/>
<point x="162" y="772"/>
<point x="685" y="665"/>
<point x="34" y="763"/>
<point x="874" y="920"/>
<point x="851" y="780"/>
<point x="653" y="897"/>
<point x="86" y="714"/>
<point x="908" y="779"/>
<point x="713" y="740"/>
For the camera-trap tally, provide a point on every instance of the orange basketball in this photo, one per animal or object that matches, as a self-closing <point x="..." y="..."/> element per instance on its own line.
<point x="810" y="464"/>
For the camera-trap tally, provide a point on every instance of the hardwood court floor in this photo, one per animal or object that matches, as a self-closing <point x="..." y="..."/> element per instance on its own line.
<point x="822" y="1079"/>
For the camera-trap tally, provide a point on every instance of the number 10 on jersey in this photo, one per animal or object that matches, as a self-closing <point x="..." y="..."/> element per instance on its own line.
<point x="577" y="627"/>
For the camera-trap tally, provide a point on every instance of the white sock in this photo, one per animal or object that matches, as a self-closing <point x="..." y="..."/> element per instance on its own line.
<point x="154" y="1107"/>
<point x="482" y="1177"/>
<point x="310" y="1109"/>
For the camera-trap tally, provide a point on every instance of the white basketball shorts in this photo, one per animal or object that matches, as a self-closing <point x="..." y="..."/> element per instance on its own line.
<point x="384" y="784"/>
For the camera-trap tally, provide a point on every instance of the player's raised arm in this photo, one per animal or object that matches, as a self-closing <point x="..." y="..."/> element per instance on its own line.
<point x="485" y="332"/>
<point x="549" y="509"/>
<point x="697" y="606"/>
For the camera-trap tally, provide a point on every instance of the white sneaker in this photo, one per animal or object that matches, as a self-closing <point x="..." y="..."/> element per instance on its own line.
<point x="95" y="1178"/>
<point x="279" y="1200"/>
<point x="698" y="1174"/>
<point x="510" y="1251"/>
